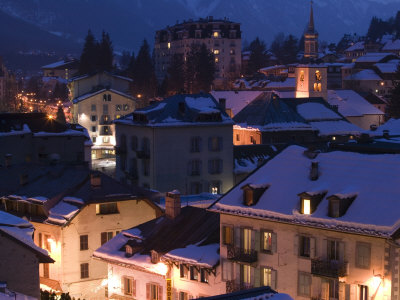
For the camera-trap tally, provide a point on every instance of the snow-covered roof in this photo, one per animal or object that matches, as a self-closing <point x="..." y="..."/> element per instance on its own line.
<point x="206" y="256"/>
<point x="372" y="57"/>
<point x="24" y="130"/>
<point x="290" y="82"/>
<point x="336" y="127"/>
<point x="367" y="74"/>
<point x="373" y="177"/>
<point x="57" y="64"/>
<point x="64" y="211"/>
<point x="359" y="46"/>
<point x="392" y="126"/>
<point x="316" y="111"/>
<point x="351" y="104"/>
<point x="389" y="67"/>
<point x="179" y="110"/>
<point x="22" y="231"/>
<point x="236" y="100"/>
<point x="392" y="45"/>
<point x="89" y="95"/>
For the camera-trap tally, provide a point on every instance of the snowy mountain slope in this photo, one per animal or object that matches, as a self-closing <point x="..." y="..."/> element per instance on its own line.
<point x="130" y="21"/>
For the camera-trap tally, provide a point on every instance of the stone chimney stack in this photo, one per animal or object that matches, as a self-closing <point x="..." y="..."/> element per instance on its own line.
<point x="172" y="204"/>
<point x="314" y="172"/>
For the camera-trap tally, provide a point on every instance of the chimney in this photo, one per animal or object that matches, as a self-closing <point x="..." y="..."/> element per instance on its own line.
<point x="222" y="103"/>
<point x="155" y="258"/>
<point x="172" y="204"/>
<point x="386" y="134"/>
<point x="23" y="179"/>
<point x="7" y="160"/>
<point x="314" y="171"/>
<point x="95" y="180"/>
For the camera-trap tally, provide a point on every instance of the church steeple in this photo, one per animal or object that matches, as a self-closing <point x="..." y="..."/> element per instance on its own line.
<point x="311" y="37"/>
<point x="311" y="22"/>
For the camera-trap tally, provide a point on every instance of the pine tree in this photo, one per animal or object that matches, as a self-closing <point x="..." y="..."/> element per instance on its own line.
<point x="61" y="116"/>
<point x="144" y="78"/>
<point x="89" y="56"/>
<point x="258" y="57"/>
<point x="105" y="55"/>
<point x="393" y="106"/>
<point x="176" y="75"/>
<point x="289" y="50"/>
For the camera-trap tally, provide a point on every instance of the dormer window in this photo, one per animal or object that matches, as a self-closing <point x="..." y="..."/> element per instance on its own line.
<point x="309" y="201"/>
<point x="339" y="203"/>
<point x="306" y="207"/>
<point x="252" y="193"/>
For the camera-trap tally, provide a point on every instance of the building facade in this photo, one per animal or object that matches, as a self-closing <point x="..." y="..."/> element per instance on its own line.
<point x="222" y="38"/>
<point x="326" y="244"/>
<point x="182" y="142"/>
<point x="311" y="38"/>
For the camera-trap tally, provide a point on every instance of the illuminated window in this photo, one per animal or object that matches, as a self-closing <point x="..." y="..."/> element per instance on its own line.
<point x="216" y="51"/>
<point x="183" y="270"/>
<point x="268" y="277"/>
<point x="169" y="45"/>
<point x="245" y="274"/>
<point x="216" y="34"/>
<point x="194" y="273"/>
<point x="204" y="275"/>
<point x="267" y="241"/>
<point x="227" y="233"/>
<point x="306" y="206"/>
<point x="129" y="286"/>
<point x="334" y="138"/>
<point x="216" y="59"/>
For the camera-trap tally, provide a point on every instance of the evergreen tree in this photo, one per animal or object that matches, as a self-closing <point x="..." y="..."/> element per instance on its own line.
<point x="277" y="43"/>
<point x="176" y="76"/>
<point x="199" y="69"/>
<point x="393" y="106"/>
<point x="105" y="55"/>
<point x="289" y="50"/>
<point x="125" y="60"/>
<point x="143" y="74"/>
<point x="397" y="25"/>
<point x="89" y="57"/>
<point x="258" y="57"/>
<point x="61" y="116"/>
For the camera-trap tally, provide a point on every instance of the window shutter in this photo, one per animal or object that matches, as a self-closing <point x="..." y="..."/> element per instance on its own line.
<point x="273" y="279"/>
<point x="341" y="251"/>
<point x="296" y="245"/>
<point x="313" y="248"/>
<point x="257" y="275"/>
<point x="237" y="272"/>
<point x="237" y="236"/>
<point x="103" y="238"/>
<point x="326" y="249"/>
<point x="252" y="276"/>
<point x="220" y="145"/>
<point x="147" y="291"/>
<point x="160" y="294"/>
<point x="257" y="240"/>
<point x="134" y="287"/>
<point x="123" y="285"/>
<point x="274" y="242"/>
<point x="353" y="291"/>
<point x="253" y="239"/>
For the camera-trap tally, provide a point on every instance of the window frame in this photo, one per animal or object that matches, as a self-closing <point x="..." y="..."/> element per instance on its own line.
<point x="302" y="237"/>
<point x="299" y="290"/>
<point x="84" y="270"/>
<point x="357" y="262"/>
<point x="83" y="245"/>
<point x="262" y="233"/>
<point x="230" y="227"/>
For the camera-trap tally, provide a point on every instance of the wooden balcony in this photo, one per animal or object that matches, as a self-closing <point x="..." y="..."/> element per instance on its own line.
<point x="242" y="255"/>
<point x="232" y="286"/>
<point x="329" y="268"/>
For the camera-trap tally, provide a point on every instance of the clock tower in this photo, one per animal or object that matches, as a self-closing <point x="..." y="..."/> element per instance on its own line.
<point x="311" y="38"/>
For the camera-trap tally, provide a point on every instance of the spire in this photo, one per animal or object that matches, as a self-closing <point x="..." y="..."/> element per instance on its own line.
<point x="311" y="22"/>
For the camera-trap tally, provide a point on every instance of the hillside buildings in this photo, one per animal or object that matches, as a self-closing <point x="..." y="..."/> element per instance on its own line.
<point x="19" y="259"/>
<point x="222" y="38"/>
<point x="8" y="89"/>
<point x="64" y="69"/>
<point x="308" y="224"/>
<point x="97" y="100"/>
<point x="74" y="212"/>
<point x="172" y="257"/>
<point x="183" y="142"/>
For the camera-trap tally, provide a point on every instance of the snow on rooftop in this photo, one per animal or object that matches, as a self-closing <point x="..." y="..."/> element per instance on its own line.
<point x="88" y="95"/>
<point x="39" y="199"/>
<point x="374" y="211"/>
<point x="392" y="45"/>
<point x="24" y="130"/>
<point x="204" y="256"/>
<point x="389" y="67"/>
<point x="133" y="233"/>
<point x="351" y="104"/>
<point x="339" y="127"/>
<point x="11" y="220"/>
<point x="392" y="125"/>
<point x="68" y="132"/>
<point x="110" y="251"/>
<point x="236" y="100"/>
<point x="63" y="210"/>
<point x="73" y="200"/>
<point x="372" y="57"/>
<point x="202" y="104"/>
<point x="284" y="126"/>
<point x="270" y="296"/>
<point x="290" y="82"/>
<point x="364" y="75"/>
<point x="55" y="64"/>
<point x="355" y="47"/>
<point x="159" y="106"/>
<point x="316" y="111"/>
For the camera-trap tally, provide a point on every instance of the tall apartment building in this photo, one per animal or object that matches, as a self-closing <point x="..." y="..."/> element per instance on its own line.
<point x="222" y="37"/>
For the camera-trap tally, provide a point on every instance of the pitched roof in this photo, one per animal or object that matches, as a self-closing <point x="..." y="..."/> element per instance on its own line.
<point x="236" y="100"/>
<point x="356" y="47"/>
<point x="339" y="173"/>
<point x="179" y="110"/>
<point x="260" y="293"/>
<point x="373" y="57"/>
<point x="364" y="75"/>
<point x="351" y="104"/>
<point x="184" y="238"/>
<point x="89" y="95"/>
<point x="392" y="45"/>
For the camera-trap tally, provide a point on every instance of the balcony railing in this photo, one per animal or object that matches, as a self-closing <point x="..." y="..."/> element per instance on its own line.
<point x="242" y="255"/>
<point x="328" y="268"/>
<point x="232" y="286"/>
